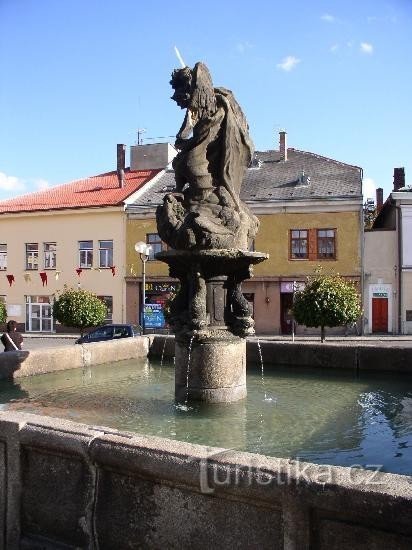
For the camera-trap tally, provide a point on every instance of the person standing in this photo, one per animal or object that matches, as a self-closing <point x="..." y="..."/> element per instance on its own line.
<point x="11" y="339"/>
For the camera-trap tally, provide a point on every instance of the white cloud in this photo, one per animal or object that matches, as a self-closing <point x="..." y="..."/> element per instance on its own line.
<point x="288" y="63"/>
<point x="369" y="188"/>
<point x="334" y="47"/>
<point x="367" y="48"/>
<point x="328" y="18"/>
<point x="11" y="183"/>
<point x="242" y="47"/>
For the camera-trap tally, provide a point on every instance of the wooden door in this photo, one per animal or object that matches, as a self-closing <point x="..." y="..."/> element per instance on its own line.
<point x="379" y="315"/>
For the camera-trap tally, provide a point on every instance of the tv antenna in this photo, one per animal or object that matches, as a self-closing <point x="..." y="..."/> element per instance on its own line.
<point x="140" y="131"/>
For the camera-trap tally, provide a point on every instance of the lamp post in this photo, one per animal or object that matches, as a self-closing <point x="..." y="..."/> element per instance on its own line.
<point x="143" y="250"/>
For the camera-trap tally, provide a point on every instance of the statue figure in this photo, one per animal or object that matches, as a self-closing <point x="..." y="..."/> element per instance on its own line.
<point x="205" y="211"/>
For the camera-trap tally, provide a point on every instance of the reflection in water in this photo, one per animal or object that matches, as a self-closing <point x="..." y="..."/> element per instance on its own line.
<point x="318" y="416"/>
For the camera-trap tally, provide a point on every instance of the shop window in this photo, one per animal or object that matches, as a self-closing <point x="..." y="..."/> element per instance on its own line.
<point x="299" y="244"/>
<point x="326" y="244"/>
<point x="3" y="256"/>
<point x="49" y="255"/>
<point x="108" y="301"/>
<point x="156" y="244"/>
<point x="105" y="253"/>
<point x="32" y="256"/>
<point x="86" y="254"/>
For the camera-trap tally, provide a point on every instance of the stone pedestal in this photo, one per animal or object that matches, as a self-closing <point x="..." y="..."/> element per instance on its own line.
<point x="216" y="372"/>
<point x="210" y="319"/>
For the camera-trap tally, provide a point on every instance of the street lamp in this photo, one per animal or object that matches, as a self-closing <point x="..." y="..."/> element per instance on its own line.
<point x="143" y="250"/>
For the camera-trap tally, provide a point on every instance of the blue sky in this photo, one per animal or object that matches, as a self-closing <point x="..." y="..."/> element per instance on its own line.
<point x="79" y="76"/>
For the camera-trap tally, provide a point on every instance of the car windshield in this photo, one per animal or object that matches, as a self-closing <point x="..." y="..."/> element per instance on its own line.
<point x="102" y="332"/>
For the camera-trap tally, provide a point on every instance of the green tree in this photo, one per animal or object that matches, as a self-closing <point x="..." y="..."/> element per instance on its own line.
<point x="327" y="301"/>
<point x="79" y="308"/>
<point x="3" y="312"/>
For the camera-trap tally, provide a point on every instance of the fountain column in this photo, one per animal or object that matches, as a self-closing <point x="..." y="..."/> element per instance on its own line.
<point x="210" y="319"/>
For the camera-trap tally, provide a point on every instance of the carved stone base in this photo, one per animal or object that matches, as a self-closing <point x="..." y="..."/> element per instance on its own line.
<point x="210" y="318"/>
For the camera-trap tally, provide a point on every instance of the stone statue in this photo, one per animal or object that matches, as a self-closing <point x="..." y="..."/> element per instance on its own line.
<point x="209" y="230"/>
<point x="205" y="211"/>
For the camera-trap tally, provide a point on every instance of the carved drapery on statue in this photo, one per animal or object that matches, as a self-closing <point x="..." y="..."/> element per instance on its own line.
<point x="205" y="211"/>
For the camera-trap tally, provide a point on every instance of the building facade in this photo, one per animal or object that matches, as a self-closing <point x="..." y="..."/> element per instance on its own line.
<point x="388" y="263"/>
<point x="310" y="212"/>
<point x="71" y="235"/>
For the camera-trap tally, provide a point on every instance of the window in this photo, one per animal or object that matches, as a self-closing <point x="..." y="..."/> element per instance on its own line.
<point x="108" y="302"/>
<point x="3" y="256"/>
<point x="86" y="254"/>
<point x="49" y="255"/>
<point x="299" y="244"/>
<point x="105" y="253"/>
<point x="155" y="242"/>
<point x="326" y="244"/>
<point x="32" y="256"/>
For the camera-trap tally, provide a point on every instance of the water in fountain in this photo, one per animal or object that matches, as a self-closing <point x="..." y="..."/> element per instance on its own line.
<point x="163" y="352"/>
<point x="180" y="406"/>
<point x="328" y="417"/>
<point x="266" y="398"/>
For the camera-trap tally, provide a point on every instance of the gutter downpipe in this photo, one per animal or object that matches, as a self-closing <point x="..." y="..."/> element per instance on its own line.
<point x="400" y="264"/>
<point x="362" y="254"/>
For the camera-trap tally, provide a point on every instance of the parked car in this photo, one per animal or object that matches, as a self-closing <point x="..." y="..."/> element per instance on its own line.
<point x="109" y="332"/>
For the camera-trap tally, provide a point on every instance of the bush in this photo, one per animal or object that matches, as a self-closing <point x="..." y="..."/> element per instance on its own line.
<point x="327" y="301"/>
<point x="80" y="309"/>
<point x="3" y="312"/>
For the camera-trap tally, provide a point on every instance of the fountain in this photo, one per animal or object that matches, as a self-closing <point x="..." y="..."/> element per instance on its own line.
<point x="209" y="230"/>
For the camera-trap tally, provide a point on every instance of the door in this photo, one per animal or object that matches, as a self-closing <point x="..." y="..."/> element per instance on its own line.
<point x="286" y="303"/>
<point x="379" y="315"/>
<point x="39" y="317"/>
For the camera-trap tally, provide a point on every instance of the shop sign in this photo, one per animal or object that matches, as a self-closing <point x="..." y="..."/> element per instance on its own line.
<point x="291" y="286"/>
<point x="380" y="294"/>
<point x="153" y="316"/>
<point x="161" y="287"/>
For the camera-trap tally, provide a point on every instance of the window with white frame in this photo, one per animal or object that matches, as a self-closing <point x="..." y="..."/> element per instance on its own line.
<point x="32" y="256"/>
<point x="3" y="256"/>
<point x="49" y="255"/>
<point x="86" y="254"/>
<point x="105" y="253"/>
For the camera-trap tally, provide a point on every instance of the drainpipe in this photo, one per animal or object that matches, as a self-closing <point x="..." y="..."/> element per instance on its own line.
<point x="362" y="257"/>
<point x="400" y="264"/>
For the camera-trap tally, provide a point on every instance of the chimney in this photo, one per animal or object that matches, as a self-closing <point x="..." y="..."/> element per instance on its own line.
<point x="283" y="145"/>
<point x="121" y="163"/>
<point x="398" y="178"/>
<point x="379" y="199"/>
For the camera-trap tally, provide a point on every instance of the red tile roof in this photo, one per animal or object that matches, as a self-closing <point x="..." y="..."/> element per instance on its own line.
<point x="102" y="190"/>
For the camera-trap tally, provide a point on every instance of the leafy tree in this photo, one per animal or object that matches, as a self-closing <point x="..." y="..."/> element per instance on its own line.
<point x="3" y="312"/>
<point x="327" y="301"/>
<point x="79" y="308"/>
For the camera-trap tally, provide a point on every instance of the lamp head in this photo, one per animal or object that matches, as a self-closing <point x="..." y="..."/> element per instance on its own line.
<point x="143" y="248"/>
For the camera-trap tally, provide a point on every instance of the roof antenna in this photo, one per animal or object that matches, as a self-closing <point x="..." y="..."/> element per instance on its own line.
<point x="179" y="57"/>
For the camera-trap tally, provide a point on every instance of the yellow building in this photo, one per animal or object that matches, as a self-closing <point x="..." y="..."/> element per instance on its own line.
<point x="310" y="212"/>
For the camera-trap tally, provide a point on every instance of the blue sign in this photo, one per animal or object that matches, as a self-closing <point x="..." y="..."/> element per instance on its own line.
<point x="153" y="316"/>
